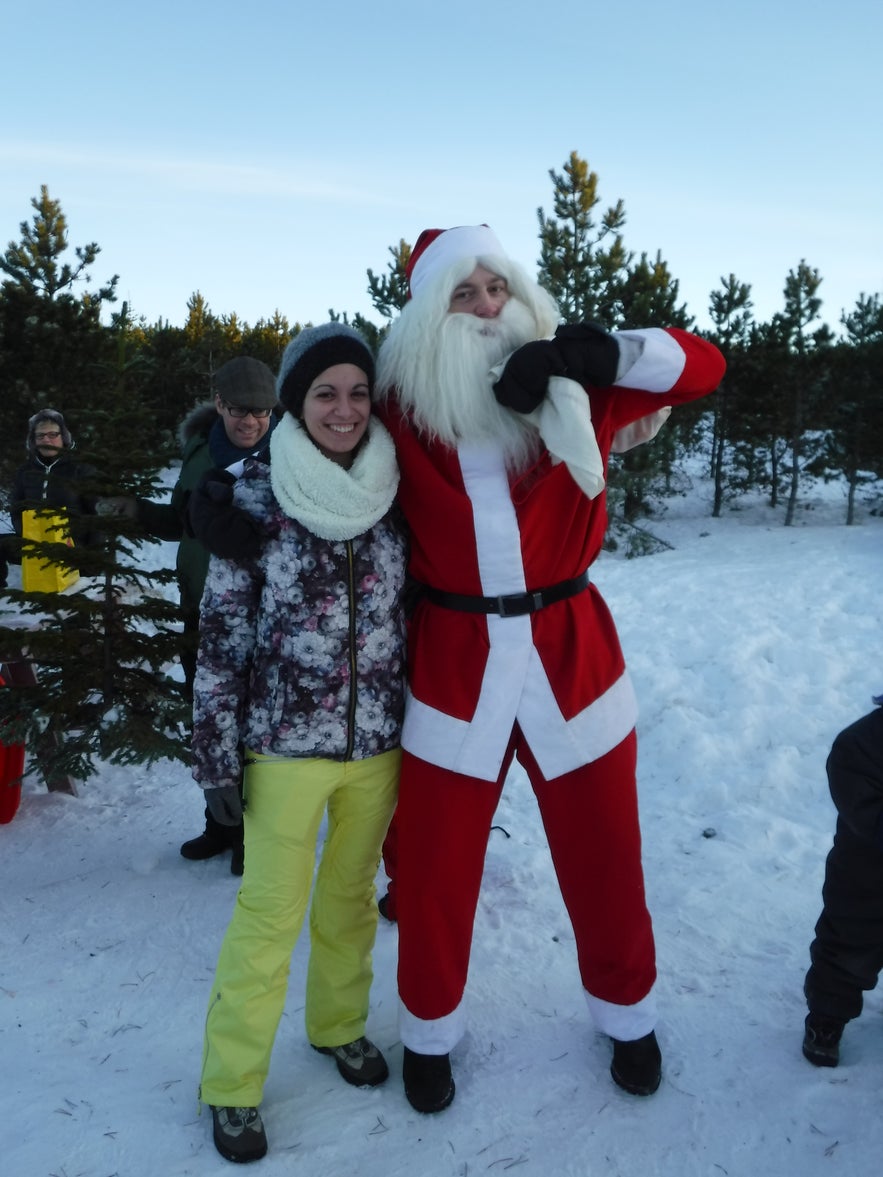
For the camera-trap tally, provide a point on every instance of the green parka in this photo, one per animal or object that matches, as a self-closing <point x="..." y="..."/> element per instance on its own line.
<point x="168" y="520"/>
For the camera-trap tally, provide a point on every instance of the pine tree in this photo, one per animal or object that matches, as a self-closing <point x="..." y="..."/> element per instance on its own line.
<point x="648" y="297"/>
<point x="582" y="260"/>
<point x="104" y="649"/>
<point x="853" y="412"/>
<point x="762" y="426"/>
<point x="802" y="306"/>
<point x="730" y="311"/>
<point x="588" y="271"/>
<point x="52" y="343"/>
<point x="390" y="292"/>
<point x="268" y="338"/>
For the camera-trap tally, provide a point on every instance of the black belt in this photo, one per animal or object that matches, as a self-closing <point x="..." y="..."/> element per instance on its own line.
<point x="513" y="604"/>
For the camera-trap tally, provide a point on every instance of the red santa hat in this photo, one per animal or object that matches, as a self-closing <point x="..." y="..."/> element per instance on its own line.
<point x="438" y="249"/>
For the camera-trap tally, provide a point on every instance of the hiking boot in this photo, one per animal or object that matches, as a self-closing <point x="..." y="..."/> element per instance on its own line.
<point x="359" y="1062"/>
<point x="386" y="908"/>
<point x="205" y="846"/>
<point x="821" y="1041"/>
<point x="429" y="1084"/>
<point x="237" y="860"/>
<point x="239" y="1134"/>
<point x="637" y="1065"/>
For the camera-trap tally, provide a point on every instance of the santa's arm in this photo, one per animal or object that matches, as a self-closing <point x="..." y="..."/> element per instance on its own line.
<point x="649" y="363"/>
<point x="668" y="361"/>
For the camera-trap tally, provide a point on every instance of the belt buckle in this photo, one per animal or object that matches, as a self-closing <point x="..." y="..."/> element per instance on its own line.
<point x="517" y="604"/>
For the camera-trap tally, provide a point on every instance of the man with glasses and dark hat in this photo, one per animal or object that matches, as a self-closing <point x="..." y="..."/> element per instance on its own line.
<point x="221" y="433"/>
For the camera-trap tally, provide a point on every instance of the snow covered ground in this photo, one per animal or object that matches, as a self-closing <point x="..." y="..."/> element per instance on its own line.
<point x="751" y="645"/>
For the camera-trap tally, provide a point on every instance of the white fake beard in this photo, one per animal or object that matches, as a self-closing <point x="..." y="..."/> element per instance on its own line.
<point x="450" y="391"/>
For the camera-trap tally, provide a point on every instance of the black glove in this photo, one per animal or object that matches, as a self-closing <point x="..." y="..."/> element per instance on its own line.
<point x="212" y="518"/>
<point x="224" y="804"/>
<point x="525" y="379"/>
<point x="591" y="354"/>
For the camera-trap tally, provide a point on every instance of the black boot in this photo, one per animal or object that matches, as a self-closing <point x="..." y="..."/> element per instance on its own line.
<point x="637" y="1065"/>
<point x="237" y="858"/>
<point x="214" y="840"/>
<point x="429" y="1084"/>
<point x="205" y="846"/>
<point x="821" y="1040"/>
<point x="239" y="1134"/>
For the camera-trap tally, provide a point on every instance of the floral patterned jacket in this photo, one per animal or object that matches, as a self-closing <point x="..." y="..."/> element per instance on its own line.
<point x="301" y="650"/>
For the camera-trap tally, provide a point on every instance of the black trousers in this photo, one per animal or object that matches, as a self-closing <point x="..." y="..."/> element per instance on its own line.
<point x="847" y="952"/>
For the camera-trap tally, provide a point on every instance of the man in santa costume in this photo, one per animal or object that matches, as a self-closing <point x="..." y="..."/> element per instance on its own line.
<point x="503" y="427"/>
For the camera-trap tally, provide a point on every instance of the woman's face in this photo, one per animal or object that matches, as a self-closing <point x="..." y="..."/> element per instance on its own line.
<point x="336" y="411"/>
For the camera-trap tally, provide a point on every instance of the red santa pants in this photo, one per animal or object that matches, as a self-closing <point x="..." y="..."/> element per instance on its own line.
<point x="590" y="816"/>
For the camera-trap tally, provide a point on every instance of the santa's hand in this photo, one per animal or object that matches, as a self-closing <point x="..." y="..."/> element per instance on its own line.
<point x="524" y="380"/>
<point x="591" y="354"/>
<point x="219" y="525"/>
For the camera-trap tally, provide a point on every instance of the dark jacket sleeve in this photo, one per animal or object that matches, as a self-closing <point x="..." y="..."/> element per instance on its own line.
<point x="855" y="777"/>
<point x="162" y="520"/>
<point x="16" y="500"/>
<point x="217" y="523"/>
<point x="84" y="521"/>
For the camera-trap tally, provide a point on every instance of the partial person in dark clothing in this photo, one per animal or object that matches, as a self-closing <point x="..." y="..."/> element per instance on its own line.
<point x="51" y="480"/>
<point x="847" y="952"/>
<point x="223" y="432"/>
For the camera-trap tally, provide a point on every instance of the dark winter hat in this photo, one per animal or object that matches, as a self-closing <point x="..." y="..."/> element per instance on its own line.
<point x="246" y="383"/>
<point x="314" y="350"/>
<point x="53" y="416"/>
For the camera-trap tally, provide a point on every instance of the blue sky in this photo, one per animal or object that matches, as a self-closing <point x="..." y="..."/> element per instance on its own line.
<point x="268" y="154"/>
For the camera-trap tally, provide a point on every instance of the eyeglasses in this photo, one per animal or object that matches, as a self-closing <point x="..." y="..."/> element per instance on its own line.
<point x="240" y="411"/>
<point x="53" y="436"/>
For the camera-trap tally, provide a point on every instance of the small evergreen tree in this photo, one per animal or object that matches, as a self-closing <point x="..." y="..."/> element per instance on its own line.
<point x="649" y="298"/>
<point x="762" y="427"/>
<point x="52" y="343"/>
<point x="853" y="413"/>
<point x="582" y="260"/>
<point x="389" y="293"/>
<point x="104" y="649"/>
<point x="802" y="305"/>
<point x="730" y="311"/>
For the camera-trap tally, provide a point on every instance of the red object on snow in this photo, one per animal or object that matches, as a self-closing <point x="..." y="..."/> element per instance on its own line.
<point x="12" y="764"/>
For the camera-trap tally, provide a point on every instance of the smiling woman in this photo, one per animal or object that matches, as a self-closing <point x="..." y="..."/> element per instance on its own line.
<point x="336" y="411"/>
<point x="300" y="677"/>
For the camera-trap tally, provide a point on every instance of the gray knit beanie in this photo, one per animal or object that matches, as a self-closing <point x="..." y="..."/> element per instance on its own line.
<point x="55" y="418"/>
<point x="312" y="351"/>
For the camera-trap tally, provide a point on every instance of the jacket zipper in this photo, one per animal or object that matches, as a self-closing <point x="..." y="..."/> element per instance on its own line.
<point x="351" y="585"/>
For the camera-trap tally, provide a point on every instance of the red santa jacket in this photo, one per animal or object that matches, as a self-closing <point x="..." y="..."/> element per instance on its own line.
<point x="558" y="672"/>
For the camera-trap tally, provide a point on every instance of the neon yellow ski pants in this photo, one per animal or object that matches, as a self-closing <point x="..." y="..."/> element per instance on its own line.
<point x="285" y="801"/>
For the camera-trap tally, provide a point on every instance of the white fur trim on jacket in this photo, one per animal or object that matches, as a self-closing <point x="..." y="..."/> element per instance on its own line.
<point x="330" y="501"/>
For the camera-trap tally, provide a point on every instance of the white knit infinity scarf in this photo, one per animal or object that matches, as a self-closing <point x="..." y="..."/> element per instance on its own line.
<point x="329" y="501"/>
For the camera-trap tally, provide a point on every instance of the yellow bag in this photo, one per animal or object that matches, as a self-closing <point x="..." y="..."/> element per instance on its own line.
<point x="37" y="574"/>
